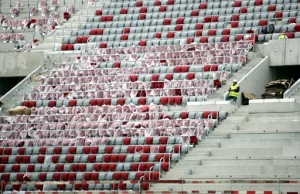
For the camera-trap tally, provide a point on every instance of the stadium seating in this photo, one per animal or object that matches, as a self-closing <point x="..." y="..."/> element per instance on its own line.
<point x="116" y="116"/>
<point x="147" y="23"/>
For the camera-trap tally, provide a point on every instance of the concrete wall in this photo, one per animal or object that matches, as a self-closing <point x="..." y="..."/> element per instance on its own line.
<point x="17" y="64"/>
<point x="254" y="82"/>
<point x="284" y="52"/>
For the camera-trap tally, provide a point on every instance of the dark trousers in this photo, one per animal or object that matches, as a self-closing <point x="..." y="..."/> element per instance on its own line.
<point x="231" y="98"/>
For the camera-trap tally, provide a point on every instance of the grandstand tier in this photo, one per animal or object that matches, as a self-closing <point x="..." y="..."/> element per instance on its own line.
<point x="111" y="115"/>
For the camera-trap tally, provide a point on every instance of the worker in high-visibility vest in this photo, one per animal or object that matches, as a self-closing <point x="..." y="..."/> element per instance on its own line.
<point x="282" y="36"/>
<point x="233" y="91"/>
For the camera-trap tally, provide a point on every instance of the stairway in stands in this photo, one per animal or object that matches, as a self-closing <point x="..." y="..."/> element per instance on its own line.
<point x="246" y="152"/>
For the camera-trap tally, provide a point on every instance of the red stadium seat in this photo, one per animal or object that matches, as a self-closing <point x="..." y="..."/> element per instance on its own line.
<point x="244" y="10"/>
<point x="143" y="43"/>
<point x="85" y="39"/>
<point x="167" y="21"/>
<point x="199" y="26"/>
<point x="195" y="13"/>
<point x="234" y="24"/>
<point x="203" y="6"/>
<point x="237" y="3"/>
<point x="52" y="103"/>
<point x="143" y="10"/>
<point x="126" y="30"/>
<point x="164" y="100"/>
<point x="114" y="158"/>
<point x="170" y="2"/>
<point x="189" y="40"/>
<point x="207" y="19"/>
<point x="204" y="39"/>
<point x="144" y="157"/>
<point x="74" y="167"/>
<point x="143" y="16"/>
<point x="184" y="115"/>
<point x="102" y="45"/>
<point x="109" y="149"/>
<point x="163" y="8"/>
<point x="86" y="150"/>
<point x="198" y="33"/>
<point x="109" y="18"/>
<point x="214" y="18"/>
<point x="87" y="176"/>
<point x="123" y="11"/>
<point x="59" y="167"/>
<point x="139" y="4"/>
<point x="81" y="167"/>
<point x="100" y="31"/>
<point x="142" y="101"/>
<point x="40" y="159"/>
<point x="97" y="167"/>
<point x="191" y="76"/>
<point x="70" y="47"/>
<point x="158" y="35"/>
<point x="106" y="158"/>
<point x="157" y="3"/>
<point x="98" y="12"/>
<point x="72" y="150"/>
<point x="104" y="167"/>
<point x="179" y="27"/>
<point x="272" y="8"/>
<point x="93" y="32"/>
<point x="180" y="21"/>
<point x="91" y="158"/>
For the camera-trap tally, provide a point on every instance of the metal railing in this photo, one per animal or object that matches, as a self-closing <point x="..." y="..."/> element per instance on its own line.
<point x="292" y="89"/>
<point x="27" y="79"/>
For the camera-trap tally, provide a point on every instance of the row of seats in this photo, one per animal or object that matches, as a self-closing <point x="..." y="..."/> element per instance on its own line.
<point x="196" y="88"/>
<point x="126" y="68"/>
<point x="212" y="21"/>
<point x="224" y="35"/>
<point x="208" y="4"/>
<point x="44" y="141"/>
<point x="130" y="145"/>
<point x="107" y="117"/>
<point x="77" y="187"/>
<point x="196" y="7"/>
<point x="99" y="167"/>
<point x="104" y="109"/>
<point x="99" y="158"/>
<point x="176" y="100"/>
<point x="79" y="176"/>
<point x="142" y="43"/>
<point x="185" y="30"/>
<point x="164" y="48"/>
<point x="182" y="17"/>
<point x="161" y="45"/>
<point x="150" y="78"/>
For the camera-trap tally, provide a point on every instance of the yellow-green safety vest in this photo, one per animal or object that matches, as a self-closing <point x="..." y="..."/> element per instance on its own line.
<point x="281" y="36"/>
<point x="233" y="93"/>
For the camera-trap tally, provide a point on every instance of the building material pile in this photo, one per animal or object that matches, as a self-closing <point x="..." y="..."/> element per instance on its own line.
<point x="276" y="89"/>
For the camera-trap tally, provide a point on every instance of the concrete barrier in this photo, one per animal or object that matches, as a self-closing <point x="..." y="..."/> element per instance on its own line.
<point x="17" y="64"/>
<point x="211" y="105"/>
<point x="272" y="105"/>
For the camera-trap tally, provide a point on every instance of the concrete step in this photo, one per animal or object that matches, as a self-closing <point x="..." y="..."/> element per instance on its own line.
<point x="243" y="142"/>
<point x="251" y="151"/>
<point x="236" y="170"/>
<point x="221" y="187"/>
<point x="248" y="162"/>
<point x="206" y="144"/>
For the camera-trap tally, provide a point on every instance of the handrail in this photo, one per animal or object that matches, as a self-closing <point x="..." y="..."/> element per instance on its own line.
<point x="19" y="85"/>
<point x="292" y="89"/>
